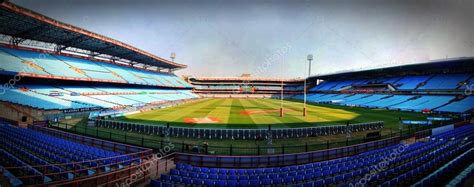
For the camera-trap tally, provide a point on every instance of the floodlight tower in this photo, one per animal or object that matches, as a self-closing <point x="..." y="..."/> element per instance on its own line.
<point x="309" y="58"/>
<point x="173" y="56"/>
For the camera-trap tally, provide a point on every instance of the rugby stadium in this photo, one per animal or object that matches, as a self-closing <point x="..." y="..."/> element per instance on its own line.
<point x="78" y="108"/>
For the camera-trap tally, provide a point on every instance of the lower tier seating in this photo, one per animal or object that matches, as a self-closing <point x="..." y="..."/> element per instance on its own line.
<point x="39" y="158"/>
<point x="415" y="103"/>
<point x="68" y="97"/>
<point x="401" y="164"/>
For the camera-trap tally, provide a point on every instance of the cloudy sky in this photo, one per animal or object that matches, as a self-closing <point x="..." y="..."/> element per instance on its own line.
<point x="273" y="38"/>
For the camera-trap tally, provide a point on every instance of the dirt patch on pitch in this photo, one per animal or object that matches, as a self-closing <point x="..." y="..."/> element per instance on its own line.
<point x="208" y="119"/>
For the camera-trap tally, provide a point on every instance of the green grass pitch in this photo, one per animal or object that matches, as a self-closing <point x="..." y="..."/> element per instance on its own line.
<point x="259" y="113"/>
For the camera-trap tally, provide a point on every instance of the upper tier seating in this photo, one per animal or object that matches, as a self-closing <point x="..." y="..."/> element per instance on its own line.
<point x="14" y="61"/>
<point x="59" y="159"/>
<point x="14" y="64"/>
<point x="325" y="86"/>
<point x="410" y="82"/>
<point x="432" y="82"/>
<point x="446" y="81"/>
<point x="411" y="163"/>
<point x="54" y="65"/>
<point x="469" y="84"/>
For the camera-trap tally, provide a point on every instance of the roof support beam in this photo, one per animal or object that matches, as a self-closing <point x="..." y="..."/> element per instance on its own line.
<point x="93" y="54"/>
<point x="72" y="41"/>
<point x="46" y="29"/>
<point x="100" y="50"/>
<point x="59" y="48"/>
<point x="125" y="55"/>
<point x="16" y="41"/>
<point x="31" y="32"/>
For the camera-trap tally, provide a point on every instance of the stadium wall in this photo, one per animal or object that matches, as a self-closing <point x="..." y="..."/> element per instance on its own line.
<point x="22" y="115"/>
<point x="281" y="159"/>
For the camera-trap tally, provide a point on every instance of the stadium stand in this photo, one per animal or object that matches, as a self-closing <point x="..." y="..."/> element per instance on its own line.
<point x="410" y="82"/>
<point x="35" y="156"/>
<point x="244" y="86"/>
<point x="429" y="82"/>
<point x="398" y="102"/>
<point x="70" y="67"/>
<point x="436" y="90"/>
<point x="86" y="74"/>
<point x="412" y="161"/>
<point x="446" y="81"/>
<point x="90" y="75"/>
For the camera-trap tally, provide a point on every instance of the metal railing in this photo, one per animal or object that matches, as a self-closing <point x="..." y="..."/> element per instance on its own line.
<point x="281" y="159"/>
<point x="159" y="143"/>
<point x="238" y="134"/>
<point x="77" y="173"/>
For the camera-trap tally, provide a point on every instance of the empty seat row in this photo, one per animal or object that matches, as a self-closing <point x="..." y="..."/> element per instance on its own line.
<point x="49" y="97"/>
<point x="410" y="163"/>
<point x="45" y="64"/>
<point x="34" y="154"/>
<point x="415" y="103"/>
<point x="409" y="82"/>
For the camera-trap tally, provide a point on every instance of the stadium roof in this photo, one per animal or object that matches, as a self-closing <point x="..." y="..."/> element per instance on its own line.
<point x="465" y="64"/>
<point x="22" y="23"/>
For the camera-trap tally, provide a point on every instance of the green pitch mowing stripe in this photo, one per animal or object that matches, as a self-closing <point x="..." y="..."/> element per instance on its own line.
<point x="228" y="112"/>
<point x="316" y="113"/>
<point x="272" y="116"/>
<point x="262" y="118"/>
<point x="222" y="110"/>
<point x="259" y="113"/>
<point x="174" y="114"/>
<point x="237" y="118"/>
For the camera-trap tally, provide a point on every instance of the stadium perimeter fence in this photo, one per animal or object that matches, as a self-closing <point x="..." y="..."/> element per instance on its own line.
<point x="164" y="145"/>
<point x="279" y="160"/>
<point x="238" y="134"/>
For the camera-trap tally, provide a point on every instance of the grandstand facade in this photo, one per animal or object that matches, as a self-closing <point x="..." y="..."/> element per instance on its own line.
<point x="83" y="71"/>
<point x="54" y="71"/>
<point x="438" y="86"/>
<point x="245" y="86"/>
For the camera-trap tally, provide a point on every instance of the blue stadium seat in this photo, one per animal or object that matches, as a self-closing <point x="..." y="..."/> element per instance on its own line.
<point x="418" y="158"/>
